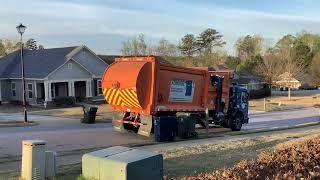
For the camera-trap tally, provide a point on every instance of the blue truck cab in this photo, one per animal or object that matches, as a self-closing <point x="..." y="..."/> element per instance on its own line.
<point x="238" y="108"/>
<point x="237" y="113"/>
<point x="241" y="102"/>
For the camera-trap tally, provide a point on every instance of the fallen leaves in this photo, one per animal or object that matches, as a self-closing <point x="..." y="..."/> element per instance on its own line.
<point x="290" y="161"/>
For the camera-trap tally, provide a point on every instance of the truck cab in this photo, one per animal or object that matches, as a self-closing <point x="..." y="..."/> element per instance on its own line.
<point x="242" y="102"/>
<point x="238" y="108"/>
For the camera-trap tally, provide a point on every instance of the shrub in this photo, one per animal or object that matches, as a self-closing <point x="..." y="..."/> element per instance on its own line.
<point x="64" y="101"/>
<point x="16" y="102"/>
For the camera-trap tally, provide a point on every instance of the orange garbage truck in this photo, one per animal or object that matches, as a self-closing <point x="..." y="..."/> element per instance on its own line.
<point x="145" y="91"/>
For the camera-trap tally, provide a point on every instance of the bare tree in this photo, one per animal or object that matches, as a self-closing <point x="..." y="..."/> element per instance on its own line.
<point x="135" y="46"/>
<point x="292" y="67"/>
<point x="10" y="46"/>
<point x="315" y="70"/>
<point x="165" y="48"/>
<point x="270" y="68"/>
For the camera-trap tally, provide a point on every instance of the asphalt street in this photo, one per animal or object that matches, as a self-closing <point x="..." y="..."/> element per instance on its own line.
<point x="67" y="134"/>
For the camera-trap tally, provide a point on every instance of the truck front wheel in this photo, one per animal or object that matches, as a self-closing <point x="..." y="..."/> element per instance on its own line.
<point x="236" y="122"/>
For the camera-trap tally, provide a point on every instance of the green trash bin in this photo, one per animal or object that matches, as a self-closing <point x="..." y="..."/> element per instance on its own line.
<point x="89" y="114"/>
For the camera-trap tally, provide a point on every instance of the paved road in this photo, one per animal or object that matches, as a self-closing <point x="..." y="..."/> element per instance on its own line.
<point x="282" y="118"/>
<point x="66" y="134"/>
<point x="61" y="134"/>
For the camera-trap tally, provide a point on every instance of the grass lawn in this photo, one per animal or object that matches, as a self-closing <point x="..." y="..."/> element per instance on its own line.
<point x="272" y="103"/>
<point x="104" y="111"/>
<point x="207" y="158"/>
<point x="103" y="114"/>
<point x="10" y="108"/>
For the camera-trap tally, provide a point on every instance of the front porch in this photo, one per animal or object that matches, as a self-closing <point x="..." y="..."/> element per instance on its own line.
<point x="46" y="91"/>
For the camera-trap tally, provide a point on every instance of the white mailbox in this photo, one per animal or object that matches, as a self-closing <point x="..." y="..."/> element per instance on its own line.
<point x="122" y="163"/>
<point x="33" y="160"/>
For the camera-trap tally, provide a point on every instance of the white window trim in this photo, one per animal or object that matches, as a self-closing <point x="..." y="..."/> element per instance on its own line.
<point x="99" y="80"/>
<point x="15" y="89"/>
<point x="69" y="65"/>
<point x="28" y="90"/>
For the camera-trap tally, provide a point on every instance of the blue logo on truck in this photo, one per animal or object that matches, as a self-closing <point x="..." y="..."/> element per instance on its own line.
<point x="188" y="88"/>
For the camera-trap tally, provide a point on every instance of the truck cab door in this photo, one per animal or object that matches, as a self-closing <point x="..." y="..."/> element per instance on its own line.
<point x="245" y="105"/>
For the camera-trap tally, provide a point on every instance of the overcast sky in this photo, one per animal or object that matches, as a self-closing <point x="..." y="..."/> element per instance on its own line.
<point x="102" y="25"/>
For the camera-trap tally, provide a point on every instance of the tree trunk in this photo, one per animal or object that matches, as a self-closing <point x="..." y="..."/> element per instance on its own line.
<point x="289" y="93"/>
<point x="270" y="86"/>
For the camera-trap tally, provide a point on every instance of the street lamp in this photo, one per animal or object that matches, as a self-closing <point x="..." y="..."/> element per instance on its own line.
<point x="21" y="28"/>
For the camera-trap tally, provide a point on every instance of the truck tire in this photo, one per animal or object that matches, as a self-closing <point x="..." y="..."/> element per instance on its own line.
<point x="236" y="123"/>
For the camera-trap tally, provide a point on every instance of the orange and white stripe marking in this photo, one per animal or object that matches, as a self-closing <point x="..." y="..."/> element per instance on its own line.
<point x="122" y="97"/>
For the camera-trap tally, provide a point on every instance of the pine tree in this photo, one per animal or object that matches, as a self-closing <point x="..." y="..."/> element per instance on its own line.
<point x="31" y="44"/>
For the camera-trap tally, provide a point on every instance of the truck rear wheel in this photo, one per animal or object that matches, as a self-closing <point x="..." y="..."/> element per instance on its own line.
<point x="236" y="122"/>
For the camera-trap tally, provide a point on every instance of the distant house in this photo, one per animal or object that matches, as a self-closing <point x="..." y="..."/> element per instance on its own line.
<point x="250" y="81"/>
<point x="68" y="71"/>
<point x="286" y="80"/>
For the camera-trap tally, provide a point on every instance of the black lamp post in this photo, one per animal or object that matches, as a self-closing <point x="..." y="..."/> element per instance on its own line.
<point x="21" y="28"/>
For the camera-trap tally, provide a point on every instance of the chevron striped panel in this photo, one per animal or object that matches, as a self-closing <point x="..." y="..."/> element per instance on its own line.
<point x="122" y="97"/>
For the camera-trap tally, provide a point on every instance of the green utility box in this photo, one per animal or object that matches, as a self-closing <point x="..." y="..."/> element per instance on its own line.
<point x="122" y="163"/>
<point x="186" y="125"/>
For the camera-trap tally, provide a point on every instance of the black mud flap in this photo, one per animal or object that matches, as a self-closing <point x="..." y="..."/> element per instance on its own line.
<point x="118" y="126"/>
<point x="145" y="130"/>
<point x="246" y="121"/>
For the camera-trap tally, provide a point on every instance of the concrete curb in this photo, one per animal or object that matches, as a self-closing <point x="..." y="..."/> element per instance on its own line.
<point x="272" y="129"/>
<point x="70" y="117"/>
<point x="20" y="124"/>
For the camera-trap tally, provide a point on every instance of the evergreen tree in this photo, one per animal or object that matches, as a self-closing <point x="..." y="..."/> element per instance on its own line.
<point x="31" y="44"/>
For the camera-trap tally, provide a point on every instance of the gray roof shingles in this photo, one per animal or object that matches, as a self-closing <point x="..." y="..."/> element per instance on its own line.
<point x="38" y="63"/>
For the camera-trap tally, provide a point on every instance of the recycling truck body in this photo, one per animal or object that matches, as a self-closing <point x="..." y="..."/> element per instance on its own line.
<point x="140" y="89"/>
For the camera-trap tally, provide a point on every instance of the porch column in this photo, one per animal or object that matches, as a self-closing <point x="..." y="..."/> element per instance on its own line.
<point x="88" y="88"/>
<point x="35" y="89"/>
<point x="70" y="88"/>
<point x="46" y="91"/>
<point x="49" y="91"/>
<point x="0" y="92"/>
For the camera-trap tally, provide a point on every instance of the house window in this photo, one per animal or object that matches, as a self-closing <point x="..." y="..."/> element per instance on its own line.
<point x="30" y="90"/>
<point x="99" y="87"/>
<point x="13" y="89"/>
<point x="69" y="65"/>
